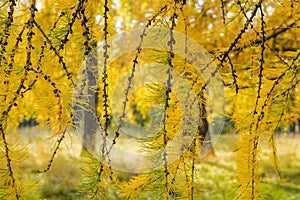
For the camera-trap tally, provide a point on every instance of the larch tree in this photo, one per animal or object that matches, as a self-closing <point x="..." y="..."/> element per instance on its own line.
<point x="43" y="44"/>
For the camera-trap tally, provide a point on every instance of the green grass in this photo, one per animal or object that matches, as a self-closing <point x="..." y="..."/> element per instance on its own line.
<point x="217" y="174"/>
<point x="215" y="177"/>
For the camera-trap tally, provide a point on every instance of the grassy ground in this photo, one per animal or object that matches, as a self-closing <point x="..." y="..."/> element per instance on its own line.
<point x="216" y="174"/>
<point x="219" y="178"/>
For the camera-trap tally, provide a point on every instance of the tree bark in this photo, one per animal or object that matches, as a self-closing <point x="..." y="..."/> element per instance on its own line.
<point x="91" y="125"/>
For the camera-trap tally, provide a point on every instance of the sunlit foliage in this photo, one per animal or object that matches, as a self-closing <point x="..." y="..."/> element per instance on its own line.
<point x="43" y="44"/>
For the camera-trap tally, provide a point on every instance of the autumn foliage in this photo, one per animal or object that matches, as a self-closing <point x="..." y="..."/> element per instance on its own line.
<point x="44" y="43"/>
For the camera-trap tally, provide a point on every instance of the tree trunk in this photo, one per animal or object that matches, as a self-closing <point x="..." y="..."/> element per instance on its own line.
<point x="205" y="140"/>
<point x="91" y="125"/>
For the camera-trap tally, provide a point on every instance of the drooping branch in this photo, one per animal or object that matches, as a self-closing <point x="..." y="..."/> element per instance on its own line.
<point x="169" y="85"/>
<point x="56" y="51"/>
<point x="12" y="103"/>
<point x="132" y="73"/>
<point x="62" y="129"/>
<point x="271" y="36"/>
<point x="260" y="76"/>
<point x="223" y="11"/>
<point x="105" y="104"/>
<point x="224" y="55"/>
<point x="6" y="35"/>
